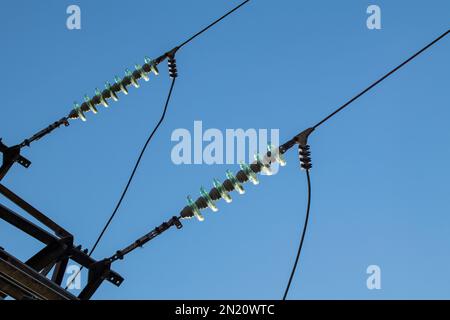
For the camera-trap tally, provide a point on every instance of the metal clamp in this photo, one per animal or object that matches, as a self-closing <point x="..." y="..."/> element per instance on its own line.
<point x="10" y="156"/>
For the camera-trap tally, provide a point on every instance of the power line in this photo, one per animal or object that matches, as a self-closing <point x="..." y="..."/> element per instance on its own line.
<point x="212" y="24"/>
<point x="381" y="79"/>
<point x="305" y="226"/>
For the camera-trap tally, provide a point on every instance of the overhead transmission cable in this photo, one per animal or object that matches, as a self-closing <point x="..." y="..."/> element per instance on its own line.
<point x="381" y="79"/>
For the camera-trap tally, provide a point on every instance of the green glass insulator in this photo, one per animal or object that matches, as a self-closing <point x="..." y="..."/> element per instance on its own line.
<point x="141" y="71"/>
<point x="154" y="69"/>
<point x="265" y="166"/>
<point x="208" y="200"/>
<point x="120" y="83"/>
<point x="134" y="82"/>
<point x="223" y="193"/>
<point x="90" y="104"/>
<point x="80" y="113"/>
<point x="153" y="66"/>
<point x="99" y="94"/>
<point x="275" y="153"/>
<point x="249" y="173"/>
<point x="111" y="91"/>
<point x="236" y="184"/>
<point x="195" y="209"/>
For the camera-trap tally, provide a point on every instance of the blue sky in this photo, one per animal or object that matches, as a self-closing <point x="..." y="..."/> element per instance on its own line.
<point x="380" y="175"/>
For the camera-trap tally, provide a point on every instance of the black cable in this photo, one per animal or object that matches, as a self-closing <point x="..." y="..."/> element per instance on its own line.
<point x="124" y="192"/>
<point x="305" y="226"/>
<point x="212" y="24"/>
<point x="382" y="78"/>
<point x="135" y="168"/>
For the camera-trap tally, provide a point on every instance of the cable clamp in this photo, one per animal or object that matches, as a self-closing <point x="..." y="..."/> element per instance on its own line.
<point x="176" y="222"/>
<point x="304" y="154"/>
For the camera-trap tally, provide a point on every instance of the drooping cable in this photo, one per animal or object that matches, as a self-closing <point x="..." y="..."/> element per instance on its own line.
<point x="302" y="238"/>
<point x="133" y="172"/>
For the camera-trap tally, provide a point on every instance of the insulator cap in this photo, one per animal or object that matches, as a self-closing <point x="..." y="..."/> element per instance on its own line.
<point x="209" y="201"/>
<point x="215" y="194"/>
<point x="236" y="183"/>
<point x="90" y="104"/>
<point x="220" y="188"/>
<point x="79" y="111"/>
<point x="228" y="185"/>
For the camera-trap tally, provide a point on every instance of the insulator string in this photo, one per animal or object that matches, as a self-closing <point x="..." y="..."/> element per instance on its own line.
<point x="111" y="91"/>
<point x="247" y="173"/>
<point x="302" y="238"/>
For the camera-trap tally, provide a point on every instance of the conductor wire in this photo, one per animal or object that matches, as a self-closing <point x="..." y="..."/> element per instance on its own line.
<point x="305" y="226"/>
<point x="415" y="55"/>
<point x="212" y="24"/>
